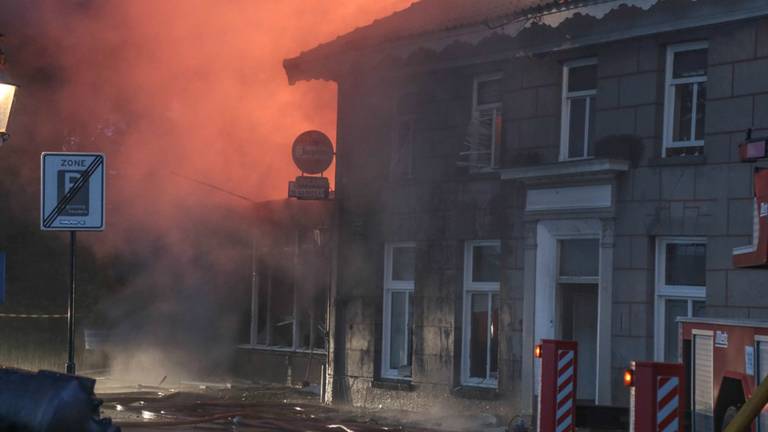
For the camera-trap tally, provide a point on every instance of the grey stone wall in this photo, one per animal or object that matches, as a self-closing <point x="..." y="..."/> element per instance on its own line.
<point x="442" y="206"/>
<point x="709" y="196"/>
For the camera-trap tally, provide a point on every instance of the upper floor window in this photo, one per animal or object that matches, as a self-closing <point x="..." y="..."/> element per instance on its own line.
<point x="482" y="268"/>
<point x="685" y="100"/>
<point x="483" y="139"/>
<point x="397" y="337"/>
<point x="680" y="289"/>
<point x="578" y="111"/>
<point x="401" y="164"/>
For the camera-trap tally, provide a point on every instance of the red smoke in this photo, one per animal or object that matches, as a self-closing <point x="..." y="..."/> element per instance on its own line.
<point x="167" y="89"/>
<point x="194" y="87"/>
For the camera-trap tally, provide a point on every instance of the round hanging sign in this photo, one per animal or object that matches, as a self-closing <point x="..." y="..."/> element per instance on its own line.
<point x="312" y="152"/>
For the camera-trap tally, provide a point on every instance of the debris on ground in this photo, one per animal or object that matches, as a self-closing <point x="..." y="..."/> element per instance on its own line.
<point x="235" y="407"/>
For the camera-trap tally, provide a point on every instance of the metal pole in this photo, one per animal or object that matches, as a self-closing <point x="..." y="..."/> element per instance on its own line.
<point x="71" y="307"/>
<point x="254" y="339"/>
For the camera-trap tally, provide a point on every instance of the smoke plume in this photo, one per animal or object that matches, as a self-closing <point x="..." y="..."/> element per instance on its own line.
<point x="171" y="90"/>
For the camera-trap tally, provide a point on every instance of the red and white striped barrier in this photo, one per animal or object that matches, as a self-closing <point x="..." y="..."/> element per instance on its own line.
<point x="557" y="391"/>
<point x="667" y="404"/>
<point x="565" y="394"/>
<point x="657" y="396"/>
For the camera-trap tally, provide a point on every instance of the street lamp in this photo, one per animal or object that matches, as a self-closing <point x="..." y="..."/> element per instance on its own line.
<point x="7" y="91"/>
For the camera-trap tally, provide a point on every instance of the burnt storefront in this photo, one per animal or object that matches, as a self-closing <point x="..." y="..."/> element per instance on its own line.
<point x="287" y="334"/>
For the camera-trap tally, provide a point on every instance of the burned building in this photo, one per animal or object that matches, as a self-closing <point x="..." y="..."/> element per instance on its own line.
<point x="286" y="338"/>
<point x="510" y="171"/>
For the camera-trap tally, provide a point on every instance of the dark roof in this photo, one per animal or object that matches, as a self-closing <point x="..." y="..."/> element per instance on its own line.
<point x="431" y="16"/>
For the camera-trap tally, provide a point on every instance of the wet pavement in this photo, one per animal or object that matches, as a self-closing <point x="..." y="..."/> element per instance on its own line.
<point x="233" y="407"/>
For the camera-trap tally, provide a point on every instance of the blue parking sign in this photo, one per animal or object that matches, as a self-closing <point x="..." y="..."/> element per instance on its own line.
<point x="2" y="277"/>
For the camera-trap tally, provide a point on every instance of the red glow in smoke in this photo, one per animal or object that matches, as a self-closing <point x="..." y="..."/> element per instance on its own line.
<point x="194" y="87"/>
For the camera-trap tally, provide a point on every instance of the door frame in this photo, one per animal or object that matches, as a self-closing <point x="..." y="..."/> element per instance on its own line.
<point x="543" y="294"/>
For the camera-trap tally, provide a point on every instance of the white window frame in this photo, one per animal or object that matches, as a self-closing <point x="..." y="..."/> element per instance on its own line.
<point x="256" y="289"/>
<point x="664" y="292"/>
<point x="591" y="280"/>
<point x="669" y="97"/>
<point x="471" y="287"/>
<point x="391" y="287"/>
<point x="567" y="97"/>
<point x="496" y="108"/>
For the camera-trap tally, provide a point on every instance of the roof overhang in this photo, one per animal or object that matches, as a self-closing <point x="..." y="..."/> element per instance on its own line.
<point x="329" y="62"/>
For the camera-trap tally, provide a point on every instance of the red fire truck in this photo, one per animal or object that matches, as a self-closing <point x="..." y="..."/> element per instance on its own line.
<point x="725" y="361"/>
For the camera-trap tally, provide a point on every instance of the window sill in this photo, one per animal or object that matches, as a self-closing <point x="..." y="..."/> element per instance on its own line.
<point x="404" y="384"/>
<point x="276" y="349"/>
<point x="678" y="160"/>
<point x="566" y="170"/>
<point x="476" y="392"/>
<point x="486" y="173"/>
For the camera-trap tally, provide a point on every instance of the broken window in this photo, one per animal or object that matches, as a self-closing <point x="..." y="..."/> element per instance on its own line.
<point x="281" y="301"/>
<point x="311" y="301"/>
<point x="680" y="289"/>
<point x="399" y="284"/>
<point x="483" y="138"/>
<point x="685" y="104"/>
<point x="263" y="288"/>
<point x="481" y="313"/>
<point x="578" y="116"/>
<point x="289" y="302"/>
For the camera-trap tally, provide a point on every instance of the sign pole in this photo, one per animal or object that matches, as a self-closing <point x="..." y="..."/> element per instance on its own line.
<point x="72" y="199"/>
<point x="71" y="308"/>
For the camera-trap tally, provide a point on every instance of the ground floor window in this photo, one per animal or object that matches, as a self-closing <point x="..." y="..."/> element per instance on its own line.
<point x="481" y="313"/>
<point x="680" y="289"/>
<point x="484" y="337"/>
<point x="670" y="309"/>
<point x="288" y="311"/>
<point x="397" y="335"/>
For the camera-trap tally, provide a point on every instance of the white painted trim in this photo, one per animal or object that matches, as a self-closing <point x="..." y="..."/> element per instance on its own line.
<point x="390" y="287"/>
<point x="569" y="198"/>
<point x="669" y="97"/>
<point x="471" y="287"/>
<point x="702" y="332"/>
<point x="565" y="168"/>
<point x="548" y="234"/>
<point x="664" y="292"/>
<point x="567" y="97"/>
